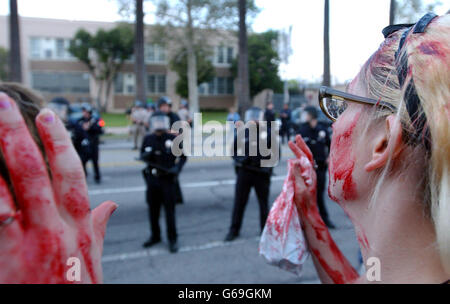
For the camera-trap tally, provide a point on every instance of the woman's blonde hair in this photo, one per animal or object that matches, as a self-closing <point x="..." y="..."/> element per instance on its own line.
<point x="428" y="69"/>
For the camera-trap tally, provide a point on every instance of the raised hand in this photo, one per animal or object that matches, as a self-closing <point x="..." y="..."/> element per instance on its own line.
<point x="45" y="222"/>
<point x="331" y="264"/>
<point x="304" y="175"/>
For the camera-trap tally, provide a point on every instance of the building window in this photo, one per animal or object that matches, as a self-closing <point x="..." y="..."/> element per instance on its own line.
<point x="156" y="83"/>
<point x="35" y="48"/>
<point x="60" y="82"/>
<point x="224" y="55"/>
<point x="217" y="86"/>
<point x="155" y="53"/>
<point x="50" y="48"/>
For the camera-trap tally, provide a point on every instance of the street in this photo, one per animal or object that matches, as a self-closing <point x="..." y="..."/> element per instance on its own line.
<point x="202" y="222"/>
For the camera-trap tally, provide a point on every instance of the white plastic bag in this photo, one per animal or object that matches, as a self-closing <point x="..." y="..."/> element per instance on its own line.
<point x="282" y="242"/>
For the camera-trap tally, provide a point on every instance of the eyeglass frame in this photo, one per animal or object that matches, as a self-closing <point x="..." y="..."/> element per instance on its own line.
<point x="327" y="92"/>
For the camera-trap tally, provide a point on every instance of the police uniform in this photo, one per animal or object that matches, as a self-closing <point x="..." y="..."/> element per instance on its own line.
<point x="318" y="141"/>
<point x="88" y="143"/>
<point x="161" y="174"/>
<point x="250" y="174"/>
<point x="139" y="117"/>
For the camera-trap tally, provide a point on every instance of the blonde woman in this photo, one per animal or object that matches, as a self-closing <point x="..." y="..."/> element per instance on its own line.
<point x="389" y="161"/>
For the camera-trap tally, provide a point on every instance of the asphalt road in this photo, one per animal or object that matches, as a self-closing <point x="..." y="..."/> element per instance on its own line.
<point x="202" y="222"/>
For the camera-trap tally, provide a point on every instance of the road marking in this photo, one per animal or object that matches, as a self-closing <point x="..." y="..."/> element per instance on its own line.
<point x="155" y="252"/>
<point x="183" y="186"/>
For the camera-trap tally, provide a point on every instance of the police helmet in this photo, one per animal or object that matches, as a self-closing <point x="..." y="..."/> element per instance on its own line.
<point x="86" y="107"/>
<point x="162" y="101"/>
<point x="254" y="114"/>
<point x="159" y="121"/>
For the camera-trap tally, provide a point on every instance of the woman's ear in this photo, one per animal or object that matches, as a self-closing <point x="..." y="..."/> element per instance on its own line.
<point x="387" y="145"/>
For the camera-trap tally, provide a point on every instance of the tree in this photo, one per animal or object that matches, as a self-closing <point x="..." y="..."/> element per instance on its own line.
<point x="4" y="64"/>
<point x="409" y="11"/>
<point x="103" y="54"/>
<point x="139" y="61"/>
<point x="205" y="69"/>
<point x="326" y="45"/>
<point x="263" y="63"/>
<point x="190" y="23"/>
<point x="244" y="102"/>
<point x="15" y="66"/>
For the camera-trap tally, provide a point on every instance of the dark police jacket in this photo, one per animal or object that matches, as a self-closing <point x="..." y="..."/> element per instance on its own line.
<point x="94" y="131"/>
<point x="84" y="140"/>
<point x="156" y="152"/>
<point x="243" y="159"/>
<point x="318" y="141"/>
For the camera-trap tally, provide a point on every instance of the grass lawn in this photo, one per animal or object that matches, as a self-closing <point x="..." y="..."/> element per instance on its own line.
<point x="220" y="116"/>
<point x="120" y="120"/>
<point x="115" y="119"/>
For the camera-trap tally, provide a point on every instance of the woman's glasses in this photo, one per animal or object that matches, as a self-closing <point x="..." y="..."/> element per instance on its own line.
<point x="333" y="102"/>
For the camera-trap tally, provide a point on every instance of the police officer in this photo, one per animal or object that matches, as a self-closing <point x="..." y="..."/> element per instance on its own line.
<point x="250" y="170"/>
<point x="164" y="105"/>
<point x="285" y="116"/>
<point x="138" y="118"/>
<point x="87" y="134"/>
<point x="316" y="136"/>
<point x="160" y="174"/>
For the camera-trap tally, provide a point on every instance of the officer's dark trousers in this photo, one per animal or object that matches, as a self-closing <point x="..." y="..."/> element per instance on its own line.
<point x="284" y="133"/>
<point x="247" y="179"/>
<point x="93" y="155"/>
<point x="161" y="192"/>
<point x="321" y="180"/>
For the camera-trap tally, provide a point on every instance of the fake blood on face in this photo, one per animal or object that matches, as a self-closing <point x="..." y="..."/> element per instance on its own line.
<point x="343" y="161"/>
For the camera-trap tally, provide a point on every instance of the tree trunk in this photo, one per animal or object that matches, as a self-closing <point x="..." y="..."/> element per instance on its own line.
<point x="139" y="60"/>
<point x="244" y="102"/>
<point x="14" y="40"/>
<point x="192" y="64"/>
<point x="98" y="98"/>
<point x="392" y="12"/>
<point x="326" y="46"/>
<point x="107" y="94"/>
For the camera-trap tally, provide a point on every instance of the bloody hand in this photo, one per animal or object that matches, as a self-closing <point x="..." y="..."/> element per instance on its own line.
<point x="49" y="220"/>
<point x="304" y="175"/>
<point x="331" y="264"/>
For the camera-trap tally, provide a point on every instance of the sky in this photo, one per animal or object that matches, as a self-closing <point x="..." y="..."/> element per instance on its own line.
<point x="355" y="28"/>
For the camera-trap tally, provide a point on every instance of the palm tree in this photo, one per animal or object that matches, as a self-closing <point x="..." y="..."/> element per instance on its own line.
<point x="14" y="42"/>
<point x="243" y="74"/>
<point x="326" y="46"/>
<point x="139" y="60"/>
<point x="392" y="12"/>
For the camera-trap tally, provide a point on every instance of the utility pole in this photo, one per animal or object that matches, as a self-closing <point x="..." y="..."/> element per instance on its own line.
<point x="285" y="51"/>
<point x="326" y="46"/>
<point x="392" y="9"/>
<point x="139" y="60"/>
<point x="243" y="74"/>
<point x="15" y="65"/>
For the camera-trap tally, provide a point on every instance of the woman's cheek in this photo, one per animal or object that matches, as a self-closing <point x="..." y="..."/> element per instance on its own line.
<point x="341" y="186"/>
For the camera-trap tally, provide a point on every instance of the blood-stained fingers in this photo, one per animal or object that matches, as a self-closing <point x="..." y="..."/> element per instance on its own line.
<point x="8" y="216"/>
<point x="26" y="167"/>
<point x="302" y="145"/>
<point x="100" y="217"/>
<point x="69" y="182"/>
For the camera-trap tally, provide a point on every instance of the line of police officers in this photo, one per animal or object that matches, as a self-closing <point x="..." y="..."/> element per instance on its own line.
<point x="163" y="168"/>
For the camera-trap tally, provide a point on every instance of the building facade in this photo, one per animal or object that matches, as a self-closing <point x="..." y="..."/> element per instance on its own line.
<point x="49" y="68"/>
